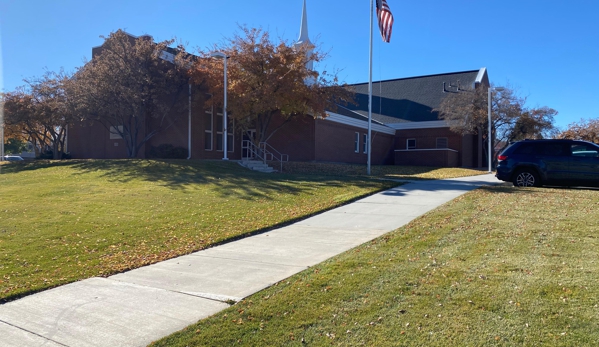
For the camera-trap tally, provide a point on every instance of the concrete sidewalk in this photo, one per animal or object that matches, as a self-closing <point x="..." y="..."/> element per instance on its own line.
<point x="139" y="306"/>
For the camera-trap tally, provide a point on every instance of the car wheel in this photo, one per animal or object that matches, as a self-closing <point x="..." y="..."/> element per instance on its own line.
<point x="526" y="178"/>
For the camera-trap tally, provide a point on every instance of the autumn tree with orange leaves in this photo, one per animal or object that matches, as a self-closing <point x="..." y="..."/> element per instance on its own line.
<point x="467" y="113"/>
<point x="267" y="79"/>
<point x="40" y="112"/>
<point x="587" y="130"/>
<point x="131" y="81"/>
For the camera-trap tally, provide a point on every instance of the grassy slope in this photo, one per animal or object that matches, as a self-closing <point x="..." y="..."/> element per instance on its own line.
<point x="381" y="171"/>
<point x="496" y="267"/>
<point x="64" y="221"/>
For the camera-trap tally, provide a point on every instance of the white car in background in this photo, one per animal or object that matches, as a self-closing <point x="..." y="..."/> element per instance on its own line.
<point x="12" y="158"/>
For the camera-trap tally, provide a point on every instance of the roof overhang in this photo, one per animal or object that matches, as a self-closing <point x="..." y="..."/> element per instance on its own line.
<point x="481" y="78"/>
<point x="363" y="124"/>
<point x="419" y="125"/>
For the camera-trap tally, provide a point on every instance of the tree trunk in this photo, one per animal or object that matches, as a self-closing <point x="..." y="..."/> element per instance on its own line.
<point x="56" y="154"/>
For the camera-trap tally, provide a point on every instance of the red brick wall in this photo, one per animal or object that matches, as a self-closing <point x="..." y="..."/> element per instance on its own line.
<point x="175" y="135"/>
<point x="438" y="157"/>
<point x="335" y="142"/>
<point x="91" y="140"/>
<point x="469" y="151"/>
<point x="426" y="139"/>
<point x="296" y="138"/>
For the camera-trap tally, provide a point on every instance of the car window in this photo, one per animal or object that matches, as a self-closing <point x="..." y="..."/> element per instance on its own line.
<point x="525" y="148"/>
<point x="584" y="150"/>
<point x="555" y="149"/>
<point x="543" y="148"/>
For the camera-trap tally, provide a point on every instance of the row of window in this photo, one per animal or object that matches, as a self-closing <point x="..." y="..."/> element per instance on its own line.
<point x="208" y="126"/>
<point x="441" y="142"/>
<point x="364" y="143"/>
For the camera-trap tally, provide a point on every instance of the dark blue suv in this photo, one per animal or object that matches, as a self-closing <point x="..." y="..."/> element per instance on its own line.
<point x="532" y="163"/>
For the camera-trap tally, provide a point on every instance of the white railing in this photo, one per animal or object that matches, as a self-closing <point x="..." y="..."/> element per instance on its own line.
<point x="263" y="152"/>
<point x="250" y="151"/>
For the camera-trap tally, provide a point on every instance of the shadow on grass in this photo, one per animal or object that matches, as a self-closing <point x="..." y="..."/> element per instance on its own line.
<point x="106" y="274"/>
<point x="403" y="172"/>
<point x="228" y="179"/>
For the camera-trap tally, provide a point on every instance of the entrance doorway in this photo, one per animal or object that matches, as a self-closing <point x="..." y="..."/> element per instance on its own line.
<point x="247" y="143"/>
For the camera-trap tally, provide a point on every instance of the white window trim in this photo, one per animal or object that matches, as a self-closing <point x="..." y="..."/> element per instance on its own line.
<point x="365" y="143"/>
<point x="206" y="131"/>
<point x="231" y="149"/>
<point x="408" y="143"/>
<point x="357" y="142"/>
<point x="219" y="114"/>
<point x="446" y="142"/>
<point x="114" y="132"/>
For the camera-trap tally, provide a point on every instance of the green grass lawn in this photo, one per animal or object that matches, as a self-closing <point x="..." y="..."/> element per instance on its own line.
<point x="65" y="221"/>
<point x="380" y="171"/>
<point x="498" y="266"/>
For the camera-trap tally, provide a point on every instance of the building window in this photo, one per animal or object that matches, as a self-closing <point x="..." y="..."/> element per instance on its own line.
<point x="365" y="143"/>
<point x="411" y="144"/>
<point x="230" y="134"/>
<point x="115" y="132"/>
<point x="219" y="133"/>
<point x="357" y="143"/>
<point x="208" y="130"/>
<point x="441" y="142"/>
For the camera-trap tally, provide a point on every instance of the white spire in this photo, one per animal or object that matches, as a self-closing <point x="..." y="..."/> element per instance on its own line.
<point x="303" y="38"/>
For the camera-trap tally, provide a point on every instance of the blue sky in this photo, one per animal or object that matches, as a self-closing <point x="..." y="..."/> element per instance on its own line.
<point x="547" y="50"/>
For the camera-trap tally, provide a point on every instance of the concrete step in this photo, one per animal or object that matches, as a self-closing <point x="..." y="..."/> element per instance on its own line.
<point x="257" y="165"/>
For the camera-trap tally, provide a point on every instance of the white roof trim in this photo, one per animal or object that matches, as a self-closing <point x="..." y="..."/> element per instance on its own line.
<point x="479" y="77"/>
<point x="419" y="125"/>
<point x="337" y="118"/>
<point x="170" y="57"/>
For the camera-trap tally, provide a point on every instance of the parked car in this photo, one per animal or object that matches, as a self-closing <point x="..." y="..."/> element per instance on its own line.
<point x="532" y="163"/>
<point x="12" y="158"/>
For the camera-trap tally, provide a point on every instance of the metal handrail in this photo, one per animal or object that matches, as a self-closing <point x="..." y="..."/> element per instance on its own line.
<point x="252" y="150"/>
<point x="270" y="149"/>
<point x="264" y="152"/>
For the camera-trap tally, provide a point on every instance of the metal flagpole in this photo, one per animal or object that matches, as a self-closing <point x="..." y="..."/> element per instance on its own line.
<point x="368" y="145"/>
<point x="1" y="131"/>
<point x="1" y="138"/>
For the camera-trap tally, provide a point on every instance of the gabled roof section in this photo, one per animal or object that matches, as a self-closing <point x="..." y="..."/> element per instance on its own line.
<point x="413" y="99"/>
<point x="97" y="49"/>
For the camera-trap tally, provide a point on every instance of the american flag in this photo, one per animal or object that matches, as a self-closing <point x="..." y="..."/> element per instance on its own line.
<point x="383" y="13"/>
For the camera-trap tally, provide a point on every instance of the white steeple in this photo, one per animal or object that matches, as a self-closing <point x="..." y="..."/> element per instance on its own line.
<point x="304" y="39"/>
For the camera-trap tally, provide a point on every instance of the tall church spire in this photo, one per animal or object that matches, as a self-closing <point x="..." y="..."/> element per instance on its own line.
<point x="305" y="40"/>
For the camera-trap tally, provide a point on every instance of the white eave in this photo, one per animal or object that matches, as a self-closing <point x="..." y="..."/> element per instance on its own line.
<point x="363" y="124"/>
<point x="480" y="76"/>
<point x="419" y="125"/>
